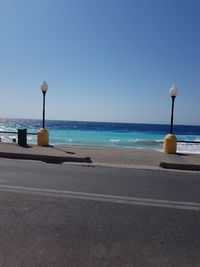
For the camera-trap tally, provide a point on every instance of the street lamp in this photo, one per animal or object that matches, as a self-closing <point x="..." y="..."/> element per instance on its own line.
<point x="44" y="88"/>
<point x="170" y="142"/>
<point x="43" y="135"/>
<point x="173" y="93"/>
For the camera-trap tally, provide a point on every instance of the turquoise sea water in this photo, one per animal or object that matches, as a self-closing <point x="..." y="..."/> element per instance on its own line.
<point x="128" y="135"/>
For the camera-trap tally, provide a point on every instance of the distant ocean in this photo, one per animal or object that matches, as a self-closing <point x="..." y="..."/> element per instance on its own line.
<point x="106" y="134"/>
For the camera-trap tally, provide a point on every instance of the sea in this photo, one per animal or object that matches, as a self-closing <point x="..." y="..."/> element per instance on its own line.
<point x="104" y="134"/>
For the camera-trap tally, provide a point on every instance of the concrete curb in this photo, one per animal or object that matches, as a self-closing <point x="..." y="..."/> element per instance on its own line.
<point x="178" y="166"/>
<point x="45" y="158"/>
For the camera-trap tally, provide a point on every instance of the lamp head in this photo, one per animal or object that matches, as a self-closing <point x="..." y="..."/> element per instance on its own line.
<point x="44" y="87"/>
<point x="173" y="91"/>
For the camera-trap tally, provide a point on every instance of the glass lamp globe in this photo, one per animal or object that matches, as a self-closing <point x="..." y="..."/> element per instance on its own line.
<point x="173" y="91"/>
<point x="44" y="86"/>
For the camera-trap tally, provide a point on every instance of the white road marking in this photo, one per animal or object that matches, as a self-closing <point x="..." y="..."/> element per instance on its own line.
<point x="103" y="198"/>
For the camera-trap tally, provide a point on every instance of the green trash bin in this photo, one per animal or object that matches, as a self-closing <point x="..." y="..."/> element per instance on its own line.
<point x="22" y="137"/>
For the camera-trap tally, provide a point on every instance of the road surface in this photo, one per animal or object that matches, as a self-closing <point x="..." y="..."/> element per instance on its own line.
<point x="72" y="215"/>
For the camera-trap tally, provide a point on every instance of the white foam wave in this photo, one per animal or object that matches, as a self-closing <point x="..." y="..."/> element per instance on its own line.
<point x="188" y="148"/>
<point x="69" y="140"/>
<point x="136" y="141"/>
<point x="146" y="141"/>
<point x="115" y="140"/>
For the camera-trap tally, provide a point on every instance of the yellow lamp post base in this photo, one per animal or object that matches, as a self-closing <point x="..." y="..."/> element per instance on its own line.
<point x="43" y="137"/>
<point x="170" y="144"/>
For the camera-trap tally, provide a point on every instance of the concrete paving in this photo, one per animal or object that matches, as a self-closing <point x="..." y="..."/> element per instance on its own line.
<point x="118" y="157"/>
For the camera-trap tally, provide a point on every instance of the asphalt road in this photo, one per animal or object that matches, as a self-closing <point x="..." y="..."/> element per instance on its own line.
<point x="69" y="215"/>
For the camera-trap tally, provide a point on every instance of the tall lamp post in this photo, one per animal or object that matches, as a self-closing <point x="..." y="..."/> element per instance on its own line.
<point x="170" y="142"/>
<point x="43" y="135"/>
<point x="173" y="93"/>
<point x="44" y="88"/>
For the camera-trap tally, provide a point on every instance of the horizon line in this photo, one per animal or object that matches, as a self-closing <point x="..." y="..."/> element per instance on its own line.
<point x="115" y="122"/>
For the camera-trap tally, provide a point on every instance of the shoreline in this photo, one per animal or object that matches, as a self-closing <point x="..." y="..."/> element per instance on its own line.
<point x="87" y="146"/>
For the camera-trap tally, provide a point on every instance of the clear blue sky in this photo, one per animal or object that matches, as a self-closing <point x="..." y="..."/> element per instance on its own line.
<point x="104" y="60"/>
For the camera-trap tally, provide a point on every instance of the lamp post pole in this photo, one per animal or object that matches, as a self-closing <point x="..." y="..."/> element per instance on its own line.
<point x="43" y="135"/>
<point x="173" y="93"/>
<point x="170" y="142"/>
<point x="172" y="115"/>
<point x="43" y="117"/>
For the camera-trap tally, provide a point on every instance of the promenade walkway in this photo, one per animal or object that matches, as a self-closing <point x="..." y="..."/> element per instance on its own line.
<point x="117" y="157"/>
